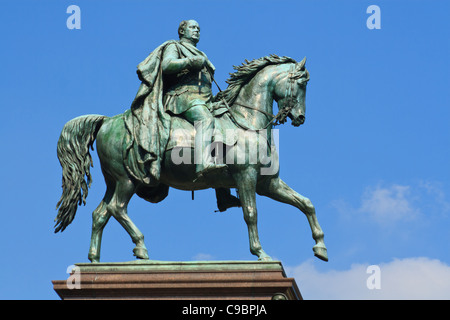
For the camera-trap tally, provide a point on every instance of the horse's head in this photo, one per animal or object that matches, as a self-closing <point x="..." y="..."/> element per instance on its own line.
<point x="290" y="92"/>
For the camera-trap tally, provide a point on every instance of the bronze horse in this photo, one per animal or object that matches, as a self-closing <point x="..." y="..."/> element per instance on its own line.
<point x="249" y="98"/>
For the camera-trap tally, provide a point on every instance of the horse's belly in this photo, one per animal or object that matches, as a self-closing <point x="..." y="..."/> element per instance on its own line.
<point x="178" y="171"/>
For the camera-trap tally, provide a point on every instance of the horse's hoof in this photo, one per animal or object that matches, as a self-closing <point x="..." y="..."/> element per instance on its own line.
<point x="320" y="252"/>
<point x="94" y="258"/>
<point x="264" y="258"/>
<point x="140" y="253"/>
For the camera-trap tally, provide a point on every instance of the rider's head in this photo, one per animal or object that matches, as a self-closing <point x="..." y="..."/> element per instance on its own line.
<point x="189" y="30"/>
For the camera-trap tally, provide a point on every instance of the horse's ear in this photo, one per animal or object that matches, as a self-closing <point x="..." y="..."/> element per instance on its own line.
<point x="301" y="64"/>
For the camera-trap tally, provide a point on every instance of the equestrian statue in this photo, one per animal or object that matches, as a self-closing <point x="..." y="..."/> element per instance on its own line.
<point x="177" y="134"/>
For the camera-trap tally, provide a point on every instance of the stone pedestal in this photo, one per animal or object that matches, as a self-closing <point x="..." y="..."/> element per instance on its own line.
<point x="197" y="280"/>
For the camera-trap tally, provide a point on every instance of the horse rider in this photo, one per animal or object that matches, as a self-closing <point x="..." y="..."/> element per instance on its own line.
<point x="187" y="77"/>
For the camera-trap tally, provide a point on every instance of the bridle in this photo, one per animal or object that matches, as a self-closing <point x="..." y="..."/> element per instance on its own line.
<point x="282" y="114"/>
<point x="291" y="101"/>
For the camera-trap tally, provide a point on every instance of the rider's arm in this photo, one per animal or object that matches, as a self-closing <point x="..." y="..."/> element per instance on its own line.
<point x="172" y="63"/>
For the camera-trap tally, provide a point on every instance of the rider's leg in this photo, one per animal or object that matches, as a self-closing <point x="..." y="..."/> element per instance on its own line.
<point x="203" y="120"/>
<point x="199" y="114"/>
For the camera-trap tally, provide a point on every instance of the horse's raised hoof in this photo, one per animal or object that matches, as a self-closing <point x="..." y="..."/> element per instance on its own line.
<point x="320" y="252"/>
<point x="140" y="253"/>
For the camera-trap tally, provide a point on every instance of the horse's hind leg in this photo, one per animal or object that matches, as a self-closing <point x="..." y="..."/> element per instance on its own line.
<point x="100" y="218"/>
<point x="278" y="190"/>
<point x="123" y="192"/>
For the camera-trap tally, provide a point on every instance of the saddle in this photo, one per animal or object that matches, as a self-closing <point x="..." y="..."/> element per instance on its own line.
<point x="182" y="132"/>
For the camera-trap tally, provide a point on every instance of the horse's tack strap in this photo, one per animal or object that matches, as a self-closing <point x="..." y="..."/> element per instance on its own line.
<point x="275" y="119"/>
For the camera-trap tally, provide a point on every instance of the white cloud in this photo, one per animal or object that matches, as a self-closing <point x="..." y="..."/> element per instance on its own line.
<point x="402" y="279"/>
<point x="434" y="190"/>
<point x="389" y="205"/>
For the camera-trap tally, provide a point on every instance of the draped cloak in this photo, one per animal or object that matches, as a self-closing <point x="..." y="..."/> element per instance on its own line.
<point x="147" y="123"/>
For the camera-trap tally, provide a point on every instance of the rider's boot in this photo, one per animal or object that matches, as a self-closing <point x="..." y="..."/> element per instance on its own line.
<point x="226" y="200"/>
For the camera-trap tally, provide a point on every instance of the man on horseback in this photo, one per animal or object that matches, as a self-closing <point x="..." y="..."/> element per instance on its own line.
<point x="187" y="77"/>
<point x="176" y="81"/>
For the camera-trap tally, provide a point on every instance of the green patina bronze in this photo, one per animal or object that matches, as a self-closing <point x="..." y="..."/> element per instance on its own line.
<point x="177" y="134"/>
<point x="157" y="265"/>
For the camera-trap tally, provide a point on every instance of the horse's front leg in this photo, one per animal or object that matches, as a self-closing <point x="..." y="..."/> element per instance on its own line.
<point x="278" y="190"/>
<point x="246" y="183"/>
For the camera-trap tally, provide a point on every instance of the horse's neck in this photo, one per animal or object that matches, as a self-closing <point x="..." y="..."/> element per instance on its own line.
<point x="257" y="94"/>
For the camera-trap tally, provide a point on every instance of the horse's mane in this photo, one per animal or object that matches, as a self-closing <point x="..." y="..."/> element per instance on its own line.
<point x="245" y="72"/>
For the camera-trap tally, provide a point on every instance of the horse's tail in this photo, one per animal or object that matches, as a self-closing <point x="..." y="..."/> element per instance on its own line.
<point x="77" y="136"/>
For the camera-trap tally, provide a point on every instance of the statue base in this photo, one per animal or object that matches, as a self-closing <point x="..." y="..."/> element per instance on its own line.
<point x="172" y="280"/>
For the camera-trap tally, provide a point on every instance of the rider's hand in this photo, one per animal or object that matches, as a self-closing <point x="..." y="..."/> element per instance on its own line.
<point x="197" y="62"/>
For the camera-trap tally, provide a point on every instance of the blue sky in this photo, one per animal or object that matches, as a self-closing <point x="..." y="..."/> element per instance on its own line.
<point x="373" y="155"/>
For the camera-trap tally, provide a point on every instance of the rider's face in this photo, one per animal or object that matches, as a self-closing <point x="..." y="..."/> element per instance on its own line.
<point x="192" y="31"/>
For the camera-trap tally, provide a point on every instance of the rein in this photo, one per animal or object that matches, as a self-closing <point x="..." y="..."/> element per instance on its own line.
<point x="275" y="120"/>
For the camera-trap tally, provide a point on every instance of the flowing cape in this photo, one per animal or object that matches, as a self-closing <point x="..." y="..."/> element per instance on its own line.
<point x="147" y="123"/>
